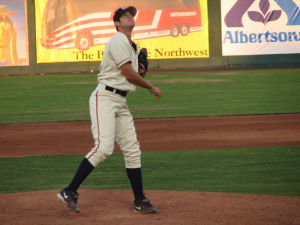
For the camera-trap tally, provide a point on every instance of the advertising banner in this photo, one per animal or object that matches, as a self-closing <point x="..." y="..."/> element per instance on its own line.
<point x="76" y="30"/>
<point x="255" y="27"/>
<point x="13" y="33"/>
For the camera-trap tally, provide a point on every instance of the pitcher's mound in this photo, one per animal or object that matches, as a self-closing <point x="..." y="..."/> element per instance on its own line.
<point x="174" y="208"/>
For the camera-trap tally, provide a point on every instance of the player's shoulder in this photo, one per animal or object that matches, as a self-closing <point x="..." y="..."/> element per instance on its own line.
<point x="118" y="38"/>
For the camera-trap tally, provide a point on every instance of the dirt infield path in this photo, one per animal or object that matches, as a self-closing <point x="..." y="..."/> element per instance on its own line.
<point x="195" y="133"/>
<point x="175" y="208"/>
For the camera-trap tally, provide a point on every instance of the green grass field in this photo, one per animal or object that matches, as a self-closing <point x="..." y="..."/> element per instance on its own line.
<point x="273" y="170"/>
<point x="65" y="98"/>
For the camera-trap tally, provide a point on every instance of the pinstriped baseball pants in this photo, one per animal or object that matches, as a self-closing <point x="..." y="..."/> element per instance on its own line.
<point x="112" y="121"/>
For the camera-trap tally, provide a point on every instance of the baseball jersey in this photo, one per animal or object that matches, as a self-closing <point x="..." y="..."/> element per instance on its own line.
<point x="118" y="51"/>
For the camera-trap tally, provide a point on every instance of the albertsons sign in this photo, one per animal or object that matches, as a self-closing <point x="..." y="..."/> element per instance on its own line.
<point x="254" y="27"/>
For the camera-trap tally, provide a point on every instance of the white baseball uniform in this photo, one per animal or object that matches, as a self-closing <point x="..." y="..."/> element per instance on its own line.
<point x="110" y="116"/>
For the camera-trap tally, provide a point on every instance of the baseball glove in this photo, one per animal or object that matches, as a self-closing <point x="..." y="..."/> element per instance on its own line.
<point x="143" y="62"/>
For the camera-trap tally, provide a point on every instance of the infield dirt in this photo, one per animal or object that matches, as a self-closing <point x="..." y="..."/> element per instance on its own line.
<point x="194" y="133"/>
<point x="113" y="207"/>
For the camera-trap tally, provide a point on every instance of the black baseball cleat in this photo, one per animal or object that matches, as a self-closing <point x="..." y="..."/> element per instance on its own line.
<point x="69" y="198"/>
<point x="144" y="206"/>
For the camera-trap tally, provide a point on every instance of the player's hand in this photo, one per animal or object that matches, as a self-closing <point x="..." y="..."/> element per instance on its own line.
<point x="156" y="91"/>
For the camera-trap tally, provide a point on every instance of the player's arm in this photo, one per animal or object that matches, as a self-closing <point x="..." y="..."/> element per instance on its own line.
<point x="134" y="78"/>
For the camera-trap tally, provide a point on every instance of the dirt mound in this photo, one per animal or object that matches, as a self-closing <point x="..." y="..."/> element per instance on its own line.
<point x="174" y="207"/>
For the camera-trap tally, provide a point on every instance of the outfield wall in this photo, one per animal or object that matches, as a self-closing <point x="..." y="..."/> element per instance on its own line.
<point x="216" y="60"/>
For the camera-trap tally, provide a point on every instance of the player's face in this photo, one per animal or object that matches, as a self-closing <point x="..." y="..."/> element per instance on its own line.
<point x="127" y="20"/>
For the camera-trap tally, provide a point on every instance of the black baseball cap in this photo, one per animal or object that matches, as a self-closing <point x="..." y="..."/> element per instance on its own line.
<point x="119" y="12"/>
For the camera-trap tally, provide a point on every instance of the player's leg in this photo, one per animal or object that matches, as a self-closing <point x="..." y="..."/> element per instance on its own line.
<point x="127" y="140"/>
<point x="102" y="112"/>
<point x="103" y="129"/>
<point x="128" y="143"/>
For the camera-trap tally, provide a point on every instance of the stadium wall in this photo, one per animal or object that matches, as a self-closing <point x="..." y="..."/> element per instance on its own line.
<point x="215" y="61"/>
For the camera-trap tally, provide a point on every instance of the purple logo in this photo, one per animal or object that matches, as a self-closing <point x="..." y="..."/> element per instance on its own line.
<point x="264" y="17"/>
<point x="234" y="17"/>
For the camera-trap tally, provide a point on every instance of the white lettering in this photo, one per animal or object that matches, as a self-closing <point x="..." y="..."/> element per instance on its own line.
<point x="179" y="14"/>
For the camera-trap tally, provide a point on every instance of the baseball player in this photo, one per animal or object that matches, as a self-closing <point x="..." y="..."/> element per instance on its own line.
<point x="110" y="117"/>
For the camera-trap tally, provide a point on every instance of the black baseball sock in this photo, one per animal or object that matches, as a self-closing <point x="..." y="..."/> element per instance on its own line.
<point x="83" y="171"/>
<point x="135" y="177"/>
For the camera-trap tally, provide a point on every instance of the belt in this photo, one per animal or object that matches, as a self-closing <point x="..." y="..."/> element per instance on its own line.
<point x="122" y="93"/>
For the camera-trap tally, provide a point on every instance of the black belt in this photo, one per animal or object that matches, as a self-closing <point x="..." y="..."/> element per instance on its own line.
<point x="122" y="93"/>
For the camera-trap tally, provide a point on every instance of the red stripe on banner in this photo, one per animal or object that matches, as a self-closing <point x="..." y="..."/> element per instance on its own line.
<point x="50" y="45"/>
<point x="78" y="24"/>
<point x="104" y="35"/>
<point x="95" y="151"/>
<point x="87" y="30"/>
<point x="83" y="30"/>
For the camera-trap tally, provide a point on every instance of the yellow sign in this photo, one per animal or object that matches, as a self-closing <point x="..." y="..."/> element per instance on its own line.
<point x="13" y="33"/>
<point x="75" y="30"/>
